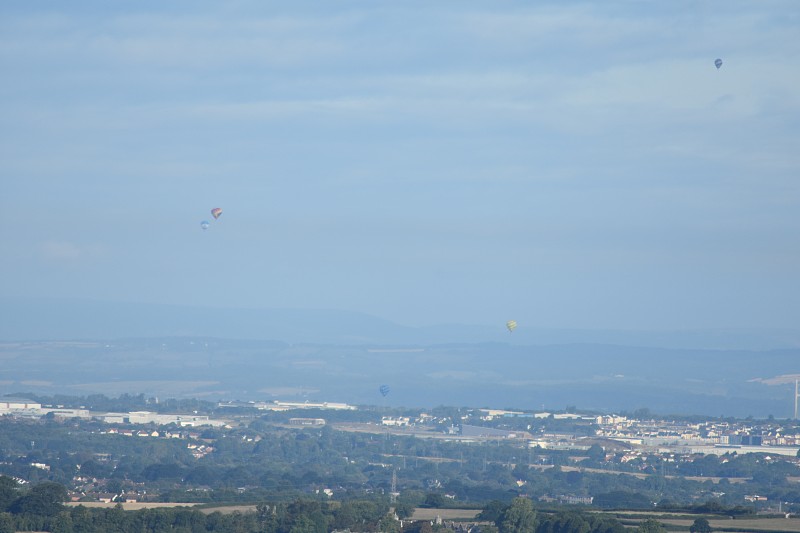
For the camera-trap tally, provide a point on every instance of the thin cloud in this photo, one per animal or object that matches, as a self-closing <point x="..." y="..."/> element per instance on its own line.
<point x="61" y="251"/>
<point x="184" y="42"/>
<point x="68" y="252"/>
<point x="592" y="144"/>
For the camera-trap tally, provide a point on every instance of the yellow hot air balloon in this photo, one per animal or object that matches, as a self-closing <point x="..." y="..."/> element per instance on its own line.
<point x="511" y="325"/>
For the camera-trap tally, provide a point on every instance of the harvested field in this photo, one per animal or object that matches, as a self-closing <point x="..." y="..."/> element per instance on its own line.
<point x="640" y="475"/>
<point x="740" y="525"/>
<point x="130" y="506"/>
<point x="228" y="509"/>
<point x="744" y="524"/>
<point x="419" y="514"/>
<point x="445" y="514"/>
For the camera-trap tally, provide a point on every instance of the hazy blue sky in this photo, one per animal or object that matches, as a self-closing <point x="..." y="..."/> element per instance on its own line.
<point x="565" y="164"/>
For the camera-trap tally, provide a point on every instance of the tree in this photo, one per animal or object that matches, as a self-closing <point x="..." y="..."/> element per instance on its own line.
<point x="651" y="526"/>
<point x="82" y="519"/>
<point x="403" y="509"/>
<point x="422" y="526"/>
<point x="45" y="499"/>
<point x="6" y="523"/>
<point x="596" y="452"/>
<point x="519" y="517"/>
<point x="62" y="523"/>
<point x="267" y="518"/>
<point x="564" y="523"/>
<point x="114" y="486"/>
<point x="605" y="524"/>
<point x="389" y="525"/>
<point x="8" y="492"/>
<point x="700" y="525"/>
<point x="303" y="524"/>
<point x="159" y="471"/>
<point x="491" y="511"/>
<point x="304" y="514"/>
<point x="621" y="499"/>
<point x="434" y="500"/>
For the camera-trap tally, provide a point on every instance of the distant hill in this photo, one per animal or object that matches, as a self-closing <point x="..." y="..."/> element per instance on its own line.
<point x="87" y="319"/>
<point x="59" y="319"/>
<point x="603" y="378"/>
<point x="82" y="347"/>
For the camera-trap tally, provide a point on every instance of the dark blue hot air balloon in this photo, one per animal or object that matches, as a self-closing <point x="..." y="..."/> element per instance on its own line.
<point x="718" y="63"/>
<point x="384" y="390"/>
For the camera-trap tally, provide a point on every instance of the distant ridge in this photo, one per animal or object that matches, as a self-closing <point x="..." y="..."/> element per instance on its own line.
<point x="60" y="319"/>
<point x="602" y="378"/>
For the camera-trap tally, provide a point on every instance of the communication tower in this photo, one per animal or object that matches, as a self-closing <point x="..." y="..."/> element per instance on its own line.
<point x="394" y="494"/>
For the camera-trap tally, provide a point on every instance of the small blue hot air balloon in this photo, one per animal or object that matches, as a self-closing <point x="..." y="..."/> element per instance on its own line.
<point x="718" y="63"/>
<point x="205" y="224"/>
<point x="384" y="390"/>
